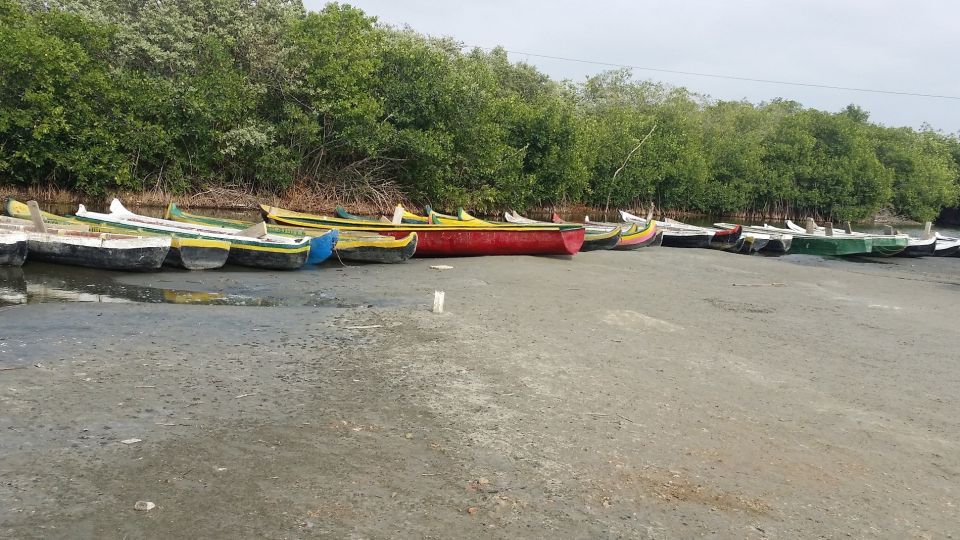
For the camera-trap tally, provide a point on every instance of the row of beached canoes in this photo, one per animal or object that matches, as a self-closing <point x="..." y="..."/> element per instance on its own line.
<point x="827" y="241"/>
<point x="124" y="240"/>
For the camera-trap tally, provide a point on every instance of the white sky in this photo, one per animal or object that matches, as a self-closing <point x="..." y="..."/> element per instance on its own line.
<point x="905" y="46"/>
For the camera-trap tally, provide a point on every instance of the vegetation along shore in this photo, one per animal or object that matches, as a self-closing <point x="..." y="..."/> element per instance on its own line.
<point x="266" y="98"/>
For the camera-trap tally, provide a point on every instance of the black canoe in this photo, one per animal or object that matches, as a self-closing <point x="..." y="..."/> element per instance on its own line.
<point x="919" y="248"/>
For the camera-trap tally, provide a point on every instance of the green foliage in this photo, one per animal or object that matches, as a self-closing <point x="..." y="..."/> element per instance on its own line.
<point x="59" y="121"/>
<point x="97" y="95"/>
<point x="924" y="171"/>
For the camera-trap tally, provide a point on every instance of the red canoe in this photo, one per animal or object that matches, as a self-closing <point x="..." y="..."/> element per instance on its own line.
<point x="470" y="242"/>
<point x="453" y="240"/>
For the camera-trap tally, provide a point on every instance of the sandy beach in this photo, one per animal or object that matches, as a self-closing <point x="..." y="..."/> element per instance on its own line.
<point x="663" y="393"/>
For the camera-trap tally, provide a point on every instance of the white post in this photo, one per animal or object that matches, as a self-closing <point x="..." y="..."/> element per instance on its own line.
<point x="438" y="301"/>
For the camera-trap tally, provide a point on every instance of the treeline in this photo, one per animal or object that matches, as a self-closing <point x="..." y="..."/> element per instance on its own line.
<point x="181" y="95"/>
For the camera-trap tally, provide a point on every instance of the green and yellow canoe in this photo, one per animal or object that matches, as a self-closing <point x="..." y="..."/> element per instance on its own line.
<point x="351" y="245"/>
<point x="189" y="253"/>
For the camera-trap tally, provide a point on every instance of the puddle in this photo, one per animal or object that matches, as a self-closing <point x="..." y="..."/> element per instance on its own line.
<point x="38" y="283"/>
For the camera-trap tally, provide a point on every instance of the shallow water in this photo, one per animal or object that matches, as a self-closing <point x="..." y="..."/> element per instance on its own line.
<point x="37" y="283"/>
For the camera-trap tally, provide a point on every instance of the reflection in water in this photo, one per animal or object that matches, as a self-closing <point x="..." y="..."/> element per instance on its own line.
<point x="38" y="283"/>
<point x="12" y="287"/>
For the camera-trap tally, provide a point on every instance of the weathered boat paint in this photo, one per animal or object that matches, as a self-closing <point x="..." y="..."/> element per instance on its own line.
<point x="188" y="253"/>
<point x="649" y="236"/>
<point x="13" y="248"/>
<point x="95" y="250"/>
<point x="600" y="241"/>
<point x="453" y="240"/>
<point x="272" y="253"/>
<point x="594" y="239"/>
<point x="351" y="245"/>
<point x="197" y="253"/>
<point x="686" y="239"/>
<point x="919" y="248"/>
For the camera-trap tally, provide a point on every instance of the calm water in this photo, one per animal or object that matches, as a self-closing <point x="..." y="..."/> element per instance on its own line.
<point x="38" y="283"/>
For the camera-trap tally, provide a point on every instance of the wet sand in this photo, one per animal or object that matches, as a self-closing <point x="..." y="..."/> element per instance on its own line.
<point x="665" y="393"/>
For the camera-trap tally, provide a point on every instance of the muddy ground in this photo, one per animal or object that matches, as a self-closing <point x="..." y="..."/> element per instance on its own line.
<point x="665" y="393"/>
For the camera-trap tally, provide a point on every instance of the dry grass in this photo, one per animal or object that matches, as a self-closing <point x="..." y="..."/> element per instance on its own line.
<point x="358" y="194"/>
<point x="303" y="195"/>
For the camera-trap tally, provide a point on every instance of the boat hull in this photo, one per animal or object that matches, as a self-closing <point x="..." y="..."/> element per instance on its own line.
<point x="244" y="251"/>
<point x="321" y="247"/>
<point x="686" y="240"/>
<point x="778" y="245"/>
<point x="375" y="252"/>
<point x="758" y="244"/>
<point x="41" y="247"/>
<point x="947" y="252"/>
<point x="13" y="249"/>
<point x="197" y="254"/>
<point x="727" y="239"/>
<point x="736" y="246"/>
<point x="831" y="246"/>
<point x="631" y="235"/>
<point x="372" y="248"/>
<point x="919" y="250"/>
<point x="187" y="253"/>
<point x="451" y="240"/>
<point x="601" y="241"/>
<point x="647" y="237"/>
<point x="887" y="246"/>
<point x="481" y="242"/>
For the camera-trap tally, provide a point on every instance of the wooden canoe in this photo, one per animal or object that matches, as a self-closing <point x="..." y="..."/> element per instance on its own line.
<point x="594" y="239"/>
<point x="881" y="245"/>
<point x="636" y="238"/>
<point x="775" y="243"/>
<point x="452" y="240"/>
<point x="946" y="246"/>
<point x="261" y="251"/>
<point x="725" y="239"/>
<point x="601" y="240"/>
<point x="836" y="246"/>
<point x="77" y="247"/>
<point x="633" y="235"/>
<point x="351" y="245"/>
<point x="188" y="253"/>
<point x="919" y="247"/>
<point x="677" y="234"/>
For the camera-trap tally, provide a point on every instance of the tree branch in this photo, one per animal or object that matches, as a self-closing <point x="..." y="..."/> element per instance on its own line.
<point x="625" y="160"/>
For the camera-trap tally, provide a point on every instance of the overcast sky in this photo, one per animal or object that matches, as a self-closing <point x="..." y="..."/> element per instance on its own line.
<point x="903" y="46"/>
